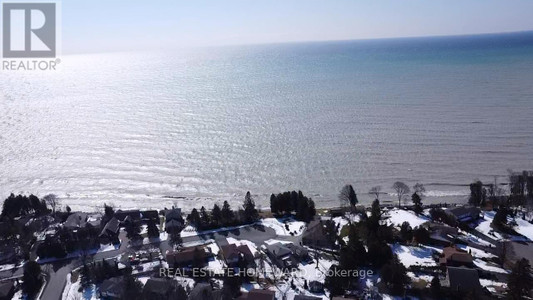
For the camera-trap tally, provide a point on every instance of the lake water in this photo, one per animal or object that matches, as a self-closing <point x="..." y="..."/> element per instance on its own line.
<point x="193" y="127"/>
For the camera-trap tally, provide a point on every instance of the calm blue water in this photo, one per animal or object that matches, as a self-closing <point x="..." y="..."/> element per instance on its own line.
<point x="206" y="125"/>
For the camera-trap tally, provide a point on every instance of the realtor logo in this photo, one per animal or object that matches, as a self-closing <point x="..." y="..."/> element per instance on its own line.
<point x="29" y="30"/>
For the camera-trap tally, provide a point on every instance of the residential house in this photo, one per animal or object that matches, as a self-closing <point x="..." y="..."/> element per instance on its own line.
<point x="112" y="288"/>
<point x="75" y="220"/>
<point x="7" y="290"/>
<point x="150" y="216"/>
<point x="315" y="235"/>
<point x="463" y="280"/>
<point x="133" y="214"/>
<point x="455" y="257"/>
<point x="464" y="213"/>
<point x="110" y="231"/>
<point x="441" y="234"/>
<point x="286" y="256"/>
<point x="159" y="288"/>
<point x="174" y="222"/>
<point x="232" y="254"/>
<point x="8" y="254"/>
<point x="187" y="256"/>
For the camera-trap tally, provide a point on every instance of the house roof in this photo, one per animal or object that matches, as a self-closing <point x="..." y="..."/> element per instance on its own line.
<point x="6" y="287"/>
<point x="135" y="214"/>
<point x="315" y="230"/>
<point x="173" y="214"/>
<point x="201" y="291"/>
<point x="232" y="251"/>
<point x="173" y="223"/>
<point x="76" y="220"/>
<point x="160" y="286"/>
<point x="463" y="279"/>
<point x="112" y="225"/>
<point x="150" y="214"/>
<point x="112" y="286"/>
<point x="257" y="294"/>
<point x="278" y="249"/>
<point x="185" y="255"/>
<point x="453" y="254"/>
<point x="459" y="211"/>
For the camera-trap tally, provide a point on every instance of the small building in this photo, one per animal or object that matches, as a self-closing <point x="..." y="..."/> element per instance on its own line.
<point x="315" y="235"/>
<point x="174" y="222"/>
<point x="441" y="234"/>
<point x="75" y="220"/>
<point x="455" y="257"/>
<point x="150" y="216"/>
<point x="133" y="214"/>
<point x="7" y="290"/>
<point x="463" y="280"/>
<point x="159" y="288"/>
<point x="232" y="254"/>
<point x="464" y="213"/>
<point x="110" y="231"/>
<point x="186" y="257"/>
<point x="286" y="256"/>
<point x="112" y="288"/>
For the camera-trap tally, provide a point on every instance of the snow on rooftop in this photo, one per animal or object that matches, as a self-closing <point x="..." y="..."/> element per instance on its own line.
<point x="489" y="267"/>
<point x="252" y="246"/>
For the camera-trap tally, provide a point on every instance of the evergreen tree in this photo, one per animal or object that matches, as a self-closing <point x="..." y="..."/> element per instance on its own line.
<point x="477" y="196"/>
<point x="132" y="288"/>
<point x="133" y="229"/>
<point x="228" y="216"/>
<point x="435" y="286"/>
<point x="85" y="277"/>
<point x="274" y="204"/>
<point x="394" y="274"/>
<point x="194" y="218"/>
<point x="153" y="231"/>
<point x="250" y="212"/>
<point x="205" y="220"/>
<point x="216" y="216"/>
<point x="406" y="231"/>
<point x="335" y="283"/>
<point x="417" y="202"/>
<point x="31" y="279"/>
<point x="520" y="280"/>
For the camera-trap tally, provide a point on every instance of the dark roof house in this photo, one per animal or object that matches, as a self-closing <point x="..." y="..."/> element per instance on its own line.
<point x="441" y="234"/>
<point x="111" y="229"/>
<point x="134" y="214"/>
<point x="284" y="256"/>
<point x="112" y="288"/>
<point x="464" y="213"/>
<point x="463" y="280"/>
<point x="159" y="288"/>
<point x="452" y="256"/>
<point x="257" y="294"/>
<point x="173" y="220"/>
<point x="186" y="256"/>
<point x="7" y="290"/>
<point x="232" y="253"/>
<point x="76" y="220"/>
<point x="315" y="235"/>
<point x="201" y="291"/>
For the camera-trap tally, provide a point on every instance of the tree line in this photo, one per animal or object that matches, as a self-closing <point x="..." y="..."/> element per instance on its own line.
<point x="293" y="202"/>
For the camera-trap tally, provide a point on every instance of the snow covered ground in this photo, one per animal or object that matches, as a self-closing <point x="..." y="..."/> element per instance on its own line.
<point x="491" y="285"/>
<point x="489" y="266"/>
<point x="414" y="256"/>
<point x="191" y="231"/>
<point x="279" y="225"/>
<point x="524" y="228"/>
<point x="398" y="216"/>
<point x="476" y="253"/>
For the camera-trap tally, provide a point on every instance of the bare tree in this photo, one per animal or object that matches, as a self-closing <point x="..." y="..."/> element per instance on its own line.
<point x="52" y="201"/>
<point x="347" y="196"/>
<point x="375" y="191"/>
<point x="401" y="191"/>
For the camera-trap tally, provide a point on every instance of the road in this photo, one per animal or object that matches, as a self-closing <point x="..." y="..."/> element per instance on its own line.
<point x="56" y="272"/>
